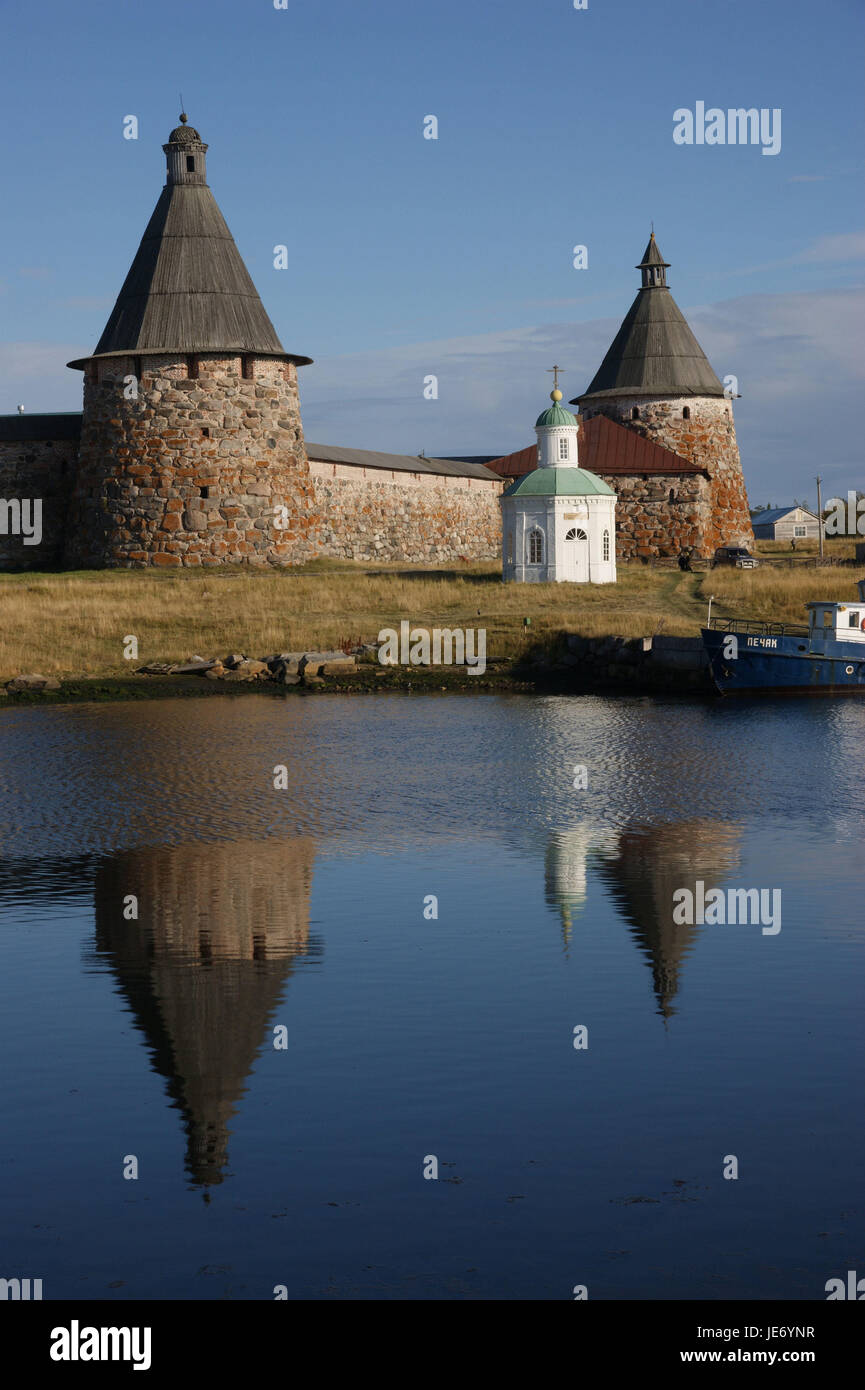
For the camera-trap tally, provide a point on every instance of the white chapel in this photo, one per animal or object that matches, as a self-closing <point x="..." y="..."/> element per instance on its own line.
<point x="559" y="521"/>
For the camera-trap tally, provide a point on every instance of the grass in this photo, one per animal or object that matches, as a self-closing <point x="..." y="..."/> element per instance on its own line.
<point x="74" y="624"/>
<point x="835" y="547"/>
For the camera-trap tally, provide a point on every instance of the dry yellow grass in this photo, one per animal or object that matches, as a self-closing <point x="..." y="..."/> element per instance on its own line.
<point x="75" y="624"/>
<point x="835" y="547"/>
<point x="779" y="593"/>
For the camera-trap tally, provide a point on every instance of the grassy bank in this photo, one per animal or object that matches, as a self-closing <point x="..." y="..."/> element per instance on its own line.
<point x="74" y="625"/>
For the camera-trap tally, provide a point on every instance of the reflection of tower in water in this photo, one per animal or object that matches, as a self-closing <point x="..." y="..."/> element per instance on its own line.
<point x="642" y="866"/>
<point x="203" y="967"/>
<point x="566" y="874"/>
<point x="643" y="871"/>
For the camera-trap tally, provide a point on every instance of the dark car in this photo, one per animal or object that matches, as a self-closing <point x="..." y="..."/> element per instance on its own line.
<point x="736" y="555"/>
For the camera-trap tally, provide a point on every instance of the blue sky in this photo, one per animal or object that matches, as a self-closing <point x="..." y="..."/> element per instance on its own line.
<point x="453" y="257"/>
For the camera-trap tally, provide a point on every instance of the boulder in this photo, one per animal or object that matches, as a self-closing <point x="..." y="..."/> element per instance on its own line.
<point x="285" y="666"/>
<point x="337" y="668"/>
<point x="234" y="660"/>
<point x="312" y="662"/>
<point x="280" y="658"/>
<point x="248" y="667"/>
<point x="32" y="680"/>
<point x="196" y="667"/>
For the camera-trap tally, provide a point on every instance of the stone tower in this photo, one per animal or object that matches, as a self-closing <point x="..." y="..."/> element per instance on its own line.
<point x="192" y="449"/>
<point x="656" y="380"/>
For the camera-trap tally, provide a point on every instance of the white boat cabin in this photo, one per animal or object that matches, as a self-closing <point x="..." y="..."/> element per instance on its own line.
<point x="843" y="622"/>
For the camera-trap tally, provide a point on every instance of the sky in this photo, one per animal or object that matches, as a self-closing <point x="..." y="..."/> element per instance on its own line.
<point x="454" y="257"/>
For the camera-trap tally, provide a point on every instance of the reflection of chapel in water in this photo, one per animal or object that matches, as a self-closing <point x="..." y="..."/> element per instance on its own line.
<point x="204" y="966"/>
<point x="642" y="866"/>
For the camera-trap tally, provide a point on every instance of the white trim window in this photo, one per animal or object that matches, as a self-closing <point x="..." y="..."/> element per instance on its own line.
<point x="576" y="533"/>
<point x="800" y="532"/>
<point x="606" y="545"/>
<point x="536" y="547"/>
<point x="564" y="447"/>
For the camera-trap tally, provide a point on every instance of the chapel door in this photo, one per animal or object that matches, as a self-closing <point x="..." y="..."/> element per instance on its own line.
<point x="577" y="555"/>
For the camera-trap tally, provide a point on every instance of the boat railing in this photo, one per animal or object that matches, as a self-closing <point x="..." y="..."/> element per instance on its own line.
<point x="758" y="627"/>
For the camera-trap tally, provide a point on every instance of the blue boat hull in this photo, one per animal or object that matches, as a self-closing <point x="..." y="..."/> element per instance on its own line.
<point x="783" y="665"/>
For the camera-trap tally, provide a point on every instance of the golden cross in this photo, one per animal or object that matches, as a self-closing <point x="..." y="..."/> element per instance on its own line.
<point x="555" y="371"/>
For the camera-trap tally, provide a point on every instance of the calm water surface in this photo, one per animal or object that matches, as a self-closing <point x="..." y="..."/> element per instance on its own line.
<point x="409" y="1036"/>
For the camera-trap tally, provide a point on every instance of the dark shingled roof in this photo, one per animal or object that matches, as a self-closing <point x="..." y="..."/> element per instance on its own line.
<point x="188" y="289"/>
<point x="652" y="256"/>
<point x="397" y="463"/>
<point x="778" y="514"/>
<point x="654" y="352"/>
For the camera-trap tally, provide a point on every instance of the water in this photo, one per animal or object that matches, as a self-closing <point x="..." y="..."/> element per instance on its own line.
<point x="409" y="1036"/>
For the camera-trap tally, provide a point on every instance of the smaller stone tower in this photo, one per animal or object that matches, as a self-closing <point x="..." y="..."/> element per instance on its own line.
<point x="559" y="521"/>
<point x="192" y="449"/>
<point x="656" y="380"/>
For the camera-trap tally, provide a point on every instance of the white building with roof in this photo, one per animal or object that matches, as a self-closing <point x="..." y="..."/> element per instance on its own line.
<point x="793" y="523"/>
<point x="559" y="521"/>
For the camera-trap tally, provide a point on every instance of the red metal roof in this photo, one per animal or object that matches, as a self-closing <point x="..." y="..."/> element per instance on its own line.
<point x="606" y="448"/>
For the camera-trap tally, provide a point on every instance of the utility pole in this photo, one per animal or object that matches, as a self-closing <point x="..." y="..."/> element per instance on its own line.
<point x="820" y="513"/>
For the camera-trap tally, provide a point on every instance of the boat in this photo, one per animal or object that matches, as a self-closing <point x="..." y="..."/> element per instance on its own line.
<point x="826" y="657"/>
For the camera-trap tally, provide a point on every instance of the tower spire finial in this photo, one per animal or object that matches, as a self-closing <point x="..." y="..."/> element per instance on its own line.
<point x="555" y="394"/>
<point x="653" y="266"/>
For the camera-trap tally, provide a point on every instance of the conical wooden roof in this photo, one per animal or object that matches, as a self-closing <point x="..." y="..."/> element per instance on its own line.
<point x="654" y="352"/>
<point x="188" y="289"/>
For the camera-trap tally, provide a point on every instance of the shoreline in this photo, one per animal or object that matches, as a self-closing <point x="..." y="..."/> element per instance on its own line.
<point x="538" y="673"/>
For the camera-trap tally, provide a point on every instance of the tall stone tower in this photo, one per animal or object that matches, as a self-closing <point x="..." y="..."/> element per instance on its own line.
<point x="192" y="448"/>
<point x="656" y="380"/>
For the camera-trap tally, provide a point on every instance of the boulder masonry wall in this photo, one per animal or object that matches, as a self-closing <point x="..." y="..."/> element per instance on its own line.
<point x="373" y="514"/>
<point x="191" y="461"/>
<point x="714" y="507"/>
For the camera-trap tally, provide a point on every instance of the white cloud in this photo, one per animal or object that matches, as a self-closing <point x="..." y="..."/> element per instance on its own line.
<point x="842" y="247"/>
<point x="848" y="246"/>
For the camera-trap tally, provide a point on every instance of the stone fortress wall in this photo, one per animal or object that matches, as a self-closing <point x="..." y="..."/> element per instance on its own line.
<point x="188" y="486"/>
<point x="34" y="469"/>
<point x="185" y="503"/>
<point x="662" y="514"/>
<point x="713" y="508"/>
<point x="195" y="469"/>
<point x="412" y="517"/>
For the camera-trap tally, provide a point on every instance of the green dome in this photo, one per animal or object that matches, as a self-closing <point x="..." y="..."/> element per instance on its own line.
<point x="555" y="415"/>
<point x="559" y="482"/>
